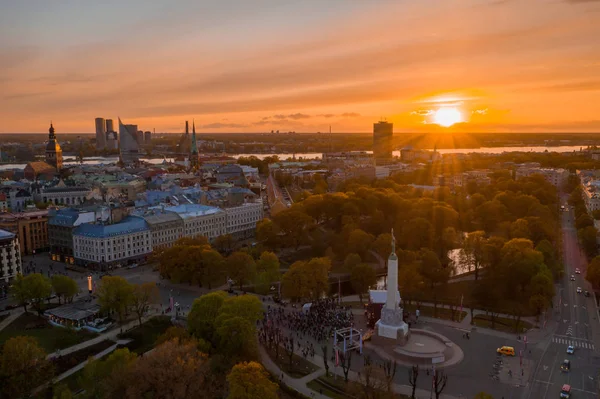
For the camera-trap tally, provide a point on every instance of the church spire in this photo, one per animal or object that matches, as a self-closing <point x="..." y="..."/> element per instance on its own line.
<point x="51" y="134"/>
<point x="194" y="149"/>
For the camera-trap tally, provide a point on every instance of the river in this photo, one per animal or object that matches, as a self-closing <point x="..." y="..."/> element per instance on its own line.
<point x="317" y="155"/>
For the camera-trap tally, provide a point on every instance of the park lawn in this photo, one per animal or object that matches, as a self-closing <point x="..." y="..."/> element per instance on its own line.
<point x="502" y="324"/>
<point x="442" y="313"/>
<point x="71" y="360"/>
<point x="337" y="388"/>
<point x="49" y="337"/>
<point x="144" y="337"/>
<point x="300" y="367"/>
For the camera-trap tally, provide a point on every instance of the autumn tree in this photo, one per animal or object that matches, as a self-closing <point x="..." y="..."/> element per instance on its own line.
<point x="362" y="277"/>
<point x="23" y="367"/>
<point x="64" y="287"/>
<point x="351" y="261"/>
<point x="306" y="279"/>
<point x="267" y="269"/>
<point x="61" y="391"/>
<point x="143" y="296"/>
<point x="266" y="233"/>
<point x="294" y="224"/>
<point x="212" y="266"/>
<point x="108" y="378"/>
<point x="410" y="281"/>
<point x="346" y="363"/>
<point x="474" y="249"/>
<point x="359" y="242"/>
<point x="237" y="339"/>
<point x="241" y="268"/>
<point x="249" y="380"/>
<point x="173" y="332"/>
<point x="593" y="273"/>
<point x="115" y="295"/>
<point x="588" y="239"/>
<point x="383" y="245"/>
<point x="433" y="274"/>
<point x="173" y="370"/>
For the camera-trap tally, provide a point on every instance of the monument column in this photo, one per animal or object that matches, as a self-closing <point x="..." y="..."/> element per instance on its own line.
<point x="392" y="277"/>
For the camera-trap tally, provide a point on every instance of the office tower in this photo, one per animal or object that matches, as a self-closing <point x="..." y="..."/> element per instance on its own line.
<point x="194" y="149"/>
<point x="111" y="141"/>
<point x="383" y="133"/>
<point x="129" y="143"/>
<point x="53" y="151"/>
<point x="100" y="133"/>
<point x="140" y="137"/>
<point x="109" y="125"/>
<point x="147" y="137"/>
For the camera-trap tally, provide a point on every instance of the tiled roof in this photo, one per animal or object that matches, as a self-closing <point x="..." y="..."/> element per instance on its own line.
<point x="193" y="210"/>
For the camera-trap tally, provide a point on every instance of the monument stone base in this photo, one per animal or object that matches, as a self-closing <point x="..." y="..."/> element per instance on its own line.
<point x="388" y="335"/>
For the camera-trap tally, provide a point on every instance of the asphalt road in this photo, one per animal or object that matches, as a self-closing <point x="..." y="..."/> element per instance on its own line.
<point x="576" y="323"/>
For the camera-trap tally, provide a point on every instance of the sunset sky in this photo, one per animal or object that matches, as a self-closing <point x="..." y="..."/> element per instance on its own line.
<point x="255" y="66"/>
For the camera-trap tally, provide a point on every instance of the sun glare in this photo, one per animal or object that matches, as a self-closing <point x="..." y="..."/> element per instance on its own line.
<point x="447" y="116"/>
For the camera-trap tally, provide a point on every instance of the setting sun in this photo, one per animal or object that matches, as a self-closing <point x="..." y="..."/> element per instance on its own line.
<point x="447" y="116"/>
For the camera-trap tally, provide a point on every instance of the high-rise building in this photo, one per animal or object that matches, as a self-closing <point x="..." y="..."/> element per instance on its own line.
<point x="140" y="137"/>
<point x="129" y="144"/>
<point x="111" y="141"/>
<point x="53" y="151"/>
<point x="383" y="133"/>
<point x="194" y="149"/>
<point x="147" y="137"/>
<point x="100" y="133"/>
<point x="109" y="126"/>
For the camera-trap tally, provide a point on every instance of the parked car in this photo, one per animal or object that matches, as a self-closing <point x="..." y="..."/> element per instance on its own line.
<point x="566" y="391"/>
<point x="506" y="350"/>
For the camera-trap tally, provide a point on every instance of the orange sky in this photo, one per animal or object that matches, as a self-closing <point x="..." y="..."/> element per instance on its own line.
<point x="506" y="65"/>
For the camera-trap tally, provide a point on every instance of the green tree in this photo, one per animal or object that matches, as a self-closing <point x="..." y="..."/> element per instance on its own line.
<point x="433" y="274"/>
<point x="241" y="268"/>
<point x="237" y="338"/>
<point x="39" y="288"/>
<point x="62" y="391"/>
<point x="266" y="233"/>
<point x="19" y="291"/>
<point x="250" y="381"/>
<point x="23" y="367"/>
<point x="142" y="297"/>
<point x="269" y="263"/>
<point x="306" y="280"/>
<point x="352" y="260"/>
<point x="213" y="265"/>
<point x="588" y="238"/>
<point x="204" y="312"/>
<point x="383" y="245"/>
<point x="359" y="241"/>
<point x="248" y="307"/>
<point x="115" y="294"/>
<point x="362" y="277"/>
<point x="64" y="287"/>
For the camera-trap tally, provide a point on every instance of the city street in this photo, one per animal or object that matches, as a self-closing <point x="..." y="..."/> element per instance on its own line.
<point x="575" y="322"/>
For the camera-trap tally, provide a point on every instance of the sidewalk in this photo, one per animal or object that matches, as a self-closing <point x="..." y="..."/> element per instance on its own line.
<point x="110" y="335"/>
<point x="299" y="384"/>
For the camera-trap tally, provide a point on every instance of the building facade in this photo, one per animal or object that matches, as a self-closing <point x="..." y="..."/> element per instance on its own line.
<point x="31" y="228"/>
<point x="10" y="257"/>
<point x="242" y="220"/>
<point x="383" y="133"/>
<point x="63" y="195"/>
<point x="54" y="155"/>
<point x="558" y="177"/>
<point x="100" y="245"/>
<point x="201" y="220"/>
<point x="166" y="228"/>
<point x="129" y="145"/>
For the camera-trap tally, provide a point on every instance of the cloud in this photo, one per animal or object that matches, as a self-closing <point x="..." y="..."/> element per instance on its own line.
<point x="298" y="116"/>
<point x="279" y="116"/>
<point x="219" y="125"/>
<point x="480" y="111"/>
<point x="326" y="115"/>
<point x="350" y="115"/>
<point x="422" y="112"/>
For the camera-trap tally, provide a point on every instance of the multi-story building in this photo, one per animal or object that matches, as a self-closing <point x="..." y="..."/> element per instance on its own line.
<point x="30" y="227"/>
<point x="242" y="219"/>
<point x="98" y="244"/>
<point x="479" y="177"/>
<point x="201" y="220"/>
<point x="63" y="195"/>
<point x="62" y="222"/>
<point x="166" y="227"/>
<point x="558" y="177"/>
<point x="3" y="203"/>
<point x="591" y="189"/>
<point x="129" y="145"/>
<point x="101" y="133"/>
<point x="10" y="256"/>
<point x="109" y="126"/>
<point x="383" y="133"/>
<point x="147" y="137"/>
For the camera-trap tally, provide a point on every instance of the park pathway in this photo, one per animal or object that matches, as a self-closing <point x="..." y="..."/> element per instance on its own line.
<point x="12" y="317"/>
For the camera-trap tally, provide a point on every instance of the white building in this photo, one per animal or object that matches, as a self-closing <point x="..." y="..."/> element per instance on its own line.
<point x="242" y="220"/>
<point x="166" y="227"/>
<point x="10" y="256"/>
<point x="591" y="189"/>
<point x="201" y="220"/>
<point x="557" y="177"/>
<point x="128" y="240"/>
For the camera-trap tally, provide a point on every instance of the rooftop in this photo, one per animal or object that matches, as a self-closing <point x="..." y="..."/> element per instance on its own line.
<point x="75" y="311"/>
<point x="193" y="210"/>
<point x="6" y="234"/>
<point x="131" y="224"/>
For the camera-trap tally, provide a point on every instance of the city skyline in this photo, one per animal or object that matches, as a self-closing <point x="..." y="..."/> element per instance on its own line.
<point x="432" y="66"/>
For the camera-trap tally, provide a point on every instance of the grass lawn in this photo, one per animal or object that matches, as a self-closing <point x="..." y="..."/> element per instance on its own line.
<point x="502" y="324"/>
<point x="337" y="388"/>
<point x="3" y="316"/>
<point x="145" y="335"/>
<point x="71" y="360"/>
<point x="49" y="337"/>
<point x="300" y="366"/>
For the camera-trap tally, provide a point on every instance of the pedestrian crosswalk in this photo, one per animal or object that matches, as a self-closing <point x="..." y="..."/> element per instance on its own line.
<point x="574" y="342"/>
